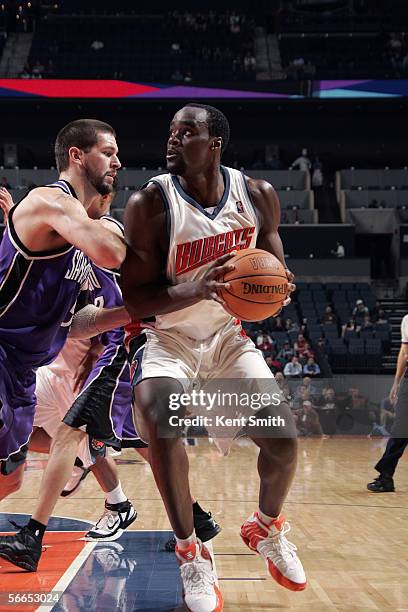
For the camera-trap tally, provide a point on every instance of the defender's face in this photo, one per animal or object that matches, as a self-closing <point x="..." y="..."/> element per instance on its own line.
<point x="101" y="163"/>
<point x="189" y="144"/>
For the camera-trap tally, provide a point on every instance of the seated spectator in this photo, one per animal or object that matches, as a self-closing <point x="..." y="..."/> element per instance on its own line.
<point x="4" y="183"/>
<point x="311" y="368"/>
<point x="355" y="401"/>
<point x="366" y="324"/>
<point x="300" y="344"/>
<point x="293" y="369"/>
<point x="264" y="343"/>
<point x="349" y="326"/>
<point x="284" y="387"/>
<point x="329" y="316"/>
<point x="306" y="353"/>
<point x="307" y="383"/>
<point x="360" y="309"/>
<point x="273" y="364"/>
<point x="307" y="421"/>
<point x="328" y="411"/>
<point x="286" y="353"/>
<point x="291" y="325"/>
<point x="381" y="317"/>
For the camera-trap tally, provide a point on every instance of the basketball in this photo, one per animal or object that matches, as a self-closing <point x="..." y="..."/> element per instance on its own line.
<point x="258" y="285"/>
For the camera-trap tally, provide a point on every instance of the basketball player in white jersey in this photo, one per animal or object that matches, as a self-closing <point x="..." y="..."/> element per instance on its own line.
<point x="193" y="219"/>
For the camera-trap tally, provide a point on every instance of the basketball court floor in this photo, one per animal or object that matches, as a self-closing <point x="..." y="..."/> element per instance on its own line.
<point x="353" y="544"/>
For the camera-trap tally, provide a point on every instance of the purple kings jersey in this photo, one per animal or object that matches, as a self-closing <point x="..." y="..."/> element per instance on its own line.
<point x="38" y="293"/>
<point x="106" y="293"/>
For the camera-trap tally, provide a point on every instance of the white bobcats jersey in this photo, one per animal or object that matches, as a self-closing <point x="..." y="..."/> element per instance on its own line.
<point x="197" y="237"/>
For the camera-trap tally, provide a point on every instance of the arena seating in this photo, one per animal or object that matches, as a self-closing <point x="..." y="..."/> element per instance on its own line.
<point x="357" y="351"/>
<point x="293" y="188"/>
<point x="372" y="189"/>
<point x="145" y="47"/>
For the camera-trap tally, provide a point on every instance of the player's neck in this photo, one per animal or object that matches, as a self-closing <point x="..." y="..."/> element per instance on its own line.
<point x="85" y="192"/>
<point x="206" y="188"/>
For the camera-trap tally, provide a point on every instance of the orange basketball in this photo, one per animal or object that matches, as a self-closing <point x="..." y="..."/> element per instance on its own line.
<point x="258" y="285"/>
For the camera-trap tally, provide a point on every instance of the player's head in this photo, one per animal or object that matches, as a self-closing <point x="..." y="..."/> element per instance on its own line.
<point x="199" y="134"/>
<point x="102" y="203"/>
<point x="88" y="147"/>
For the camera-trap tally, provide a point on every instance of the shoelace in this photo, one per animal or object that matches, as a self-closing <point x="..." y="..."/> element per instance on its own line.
<point x="107" y="519"/>
<point x="197" y="577"/>
<point x="278" y="547"/>
<point x="25" y="529"/>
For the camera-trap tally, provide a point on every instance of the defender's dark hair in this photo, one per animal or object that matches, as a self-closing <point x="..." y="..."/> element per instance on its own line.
<point x="217" y="123"/>
<point x="82" y="133"/>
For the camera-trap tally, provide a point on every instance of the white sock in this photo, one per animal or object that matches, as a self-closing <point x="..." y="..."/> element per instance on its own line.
<point x="116" y="496"/>
<point x="265" y="518"/>
<point x="183" y="544"/>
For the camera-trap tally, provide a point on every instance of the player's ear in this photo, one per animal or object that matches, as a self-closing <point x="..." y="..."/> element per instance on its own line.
<point x="75" y="155"/>
<point x="217" y="143"/>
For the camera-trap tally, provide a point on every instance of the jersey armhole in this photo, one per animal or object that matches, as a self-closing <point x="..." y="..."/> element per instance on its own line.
<point x="166" y="203"/>
<point x="251" y="201"/>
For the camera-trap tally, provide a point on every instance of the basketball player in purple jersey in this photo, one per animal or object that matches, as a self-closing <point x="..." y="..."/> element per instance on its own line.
<point x="203" y="205"/>
<point x="44" y="260"/>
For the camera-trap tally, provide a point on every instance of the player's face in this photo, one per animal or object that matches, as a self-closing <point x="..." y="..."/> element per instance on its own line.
<point x="189" y="144"/>
<point x="101" y="163"/>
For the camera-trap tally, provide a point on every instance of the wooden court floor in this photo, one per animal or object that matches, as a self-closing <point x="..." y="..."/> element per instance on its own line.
<point x="353" y="544"/>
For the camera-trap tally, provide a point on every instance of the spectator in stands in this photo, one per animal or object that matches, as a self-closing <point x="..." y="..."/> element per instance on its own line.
<point x="307" y="383"/>
<point x="291" y="326"/>
<point x="177" y="75"/>
<point x="301" y="394"/>
<point x="283" y="386"/>
<point x="360" y="309"/>
<point x="293" y="368"/>
<point x="300" y="344"/>
<point x="349" y="326"/>
<point x="366" y="324"/>
<point x="311" y="368"/>
<point x="26" y="72"/>
<point x="273" y="364"/>
<point x="264" y="343"/>
<point x="302" y="162"/>
<point x="373" y="204"/>
<point x="355" y="401"/>
<point x="285" y="354"/>
<point x="328" y="410"/>
<point x="329" y="316"/>
<point x="4" y="183"/>
<point x="339" y="251"/>
<point x="307" y="421"/>
<point x="382" y="317"/>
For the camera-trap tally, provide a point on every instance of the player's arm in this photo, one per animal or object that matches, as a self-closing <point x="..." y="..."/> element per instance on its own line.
<point x="266" y="202"/>
<point x="145" y="289"/>
<point x="91" y="321"/>
<point x="6" y="202"/>
<point x="402" y="360"/>
<point x="68" y="218"/>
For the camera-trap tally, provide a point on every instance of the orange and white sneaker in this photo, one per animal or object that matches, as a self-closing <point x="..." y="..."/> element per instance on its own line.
<point x="279" y="555"/>
<point x="201" y="593"/>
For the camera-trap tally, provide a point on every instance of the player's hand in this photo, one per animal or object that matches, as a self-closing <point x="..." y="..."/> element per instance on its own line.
<point x="291" y="287"/>
<point x="207" y="286"/>
<point x="6" y="202"/>
<point x="393" y="393"/>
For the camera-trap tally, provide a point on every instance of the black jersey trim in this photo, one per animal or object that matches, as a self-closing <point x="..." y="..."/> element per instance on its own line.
<point x="13" y="281"/>
<point x="21" y="247"/>
<point x="167" y="209"/>
<point x="193" y="202"/>
<point x="118" y="223"/>
<point x="251" y="199"/>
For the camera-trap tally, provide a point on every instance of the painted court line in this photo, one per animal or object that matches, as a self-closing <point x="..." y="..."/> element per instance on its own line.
<point x="70" y="573"/>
